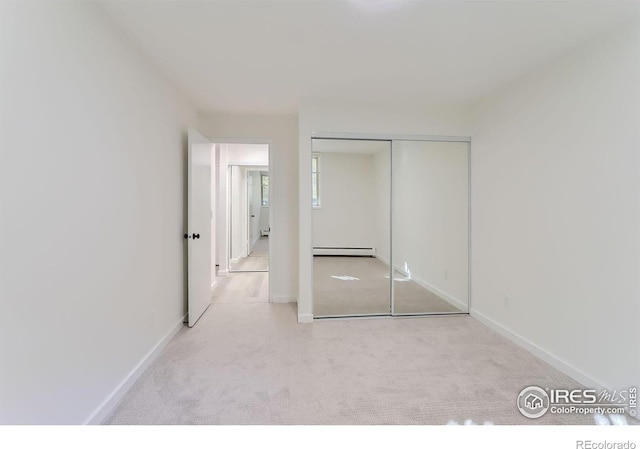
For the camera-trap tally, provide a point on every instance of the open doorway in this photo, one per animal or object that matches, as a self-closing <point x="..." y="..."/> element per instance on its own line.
<point x="249" y="225"/>
<point x="244" y="218"/>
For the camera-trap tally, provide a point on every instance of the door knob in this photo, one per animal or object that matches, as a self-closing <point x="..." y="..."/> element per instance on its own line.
<point x="195" y="236"/>
<point x="187" y="236"/>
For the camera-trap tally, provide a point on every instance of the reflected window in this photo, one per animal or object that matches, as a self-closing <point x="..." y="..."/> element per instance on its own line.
<point x="315" y="180"/>
<point x="264" y="186"/>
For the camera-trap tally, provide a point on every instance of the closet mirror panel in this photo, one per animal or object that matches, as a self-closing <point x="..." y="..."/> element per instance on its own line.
<point x="351" y="184"/>
<point x="430" y="227"/>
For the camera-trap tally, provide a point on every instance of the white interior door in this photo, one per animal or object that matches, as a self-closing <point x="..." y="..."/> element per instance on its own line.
<point x="199" y="216"/>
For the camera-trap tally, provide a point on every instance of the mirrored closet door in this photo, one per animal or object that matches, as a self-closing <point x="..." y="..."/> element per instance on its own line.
<point x="351" y="227"/>
<point x="390" y="209"/>
<point x="430" y="227"/>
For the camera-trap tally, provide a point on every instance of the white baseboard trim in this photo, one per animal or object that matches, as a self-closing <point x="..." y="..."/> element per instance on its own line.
<point x="553" y="360"/>
<point x="283" y="299"/>
<point x="436" y="291"/>
<point x="109" y="404"/>
<point x="335" y="251"/>
<point x="442" y="294"/>
<point x="223" y="273"/>
<point x="213" y="286"/>
<point x="305" y="318"/>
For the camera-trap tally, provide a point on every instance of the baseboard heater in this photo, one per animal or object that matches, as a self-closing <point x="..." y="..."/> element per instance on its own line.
<point x="347" y="252"/>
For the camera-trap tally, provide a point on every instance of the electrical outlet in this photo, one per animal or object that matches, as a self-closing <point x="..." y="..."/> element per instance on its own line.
<point x="506" y="302"/>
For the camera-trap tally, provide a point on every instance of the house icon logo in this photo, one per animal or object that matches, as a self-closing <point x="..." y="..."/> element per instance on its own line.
<point x="533" y="402"/>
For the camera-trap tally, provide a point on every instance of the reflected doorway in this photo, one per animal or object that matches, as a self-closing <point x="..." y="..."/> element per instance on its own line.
<point x="249" y="225"/>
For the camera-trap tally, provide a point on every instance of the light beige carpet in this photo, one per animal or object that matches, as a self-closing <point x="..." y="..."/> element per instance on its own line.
<point x="361" y="286"/>
<point x="240" y="288"/>
<point x="252" y="363"/>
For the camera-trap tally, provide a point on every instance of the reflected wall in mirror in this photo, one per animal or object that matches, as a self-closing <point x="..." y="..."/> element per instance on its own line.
<point x="249" y="218"/>
<point x="430" y="222"/>
<point x="351" y="207"/>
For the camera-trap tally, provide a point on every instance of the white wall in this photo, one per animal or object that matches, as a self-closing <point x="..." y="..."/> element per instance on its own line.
<point x="367" y="119"/>
<point x="92" y="193"/>
<point x="238" y="207"/>
<point x="282" y="132"/>
<point x="346" y="218"/>
<point x="556" y="208"/>
<point x="247" y="154"/>
<point x="382" y="186"/>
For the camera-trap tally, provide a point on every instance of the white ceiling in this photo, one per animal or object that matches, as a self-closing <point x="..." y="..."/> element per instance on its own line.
<point x="269" y="56"/>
